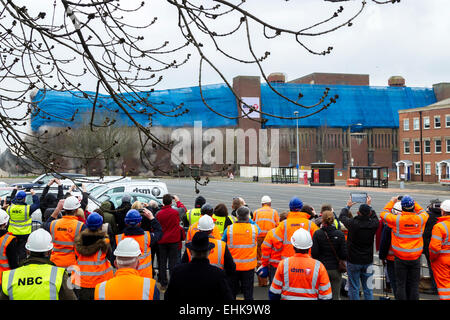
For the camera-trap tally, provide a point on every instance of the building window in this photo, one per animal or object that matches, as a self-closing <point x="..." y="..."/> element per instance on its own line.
<point x="437" y="122"/>
<point x="427" y="168"/>
<point x="405" y="124"/>
<point x="427" y="146"/>
<point x="437" y="146"/>
<point x="447" y="120"/>
<point x="426" y="122"/>
<point x="447" y="145"/>
<point x="416" y="124"/>
<point x="406" y="147"/>
<point x="416" y="168"/>
<point x="416" y="146"/>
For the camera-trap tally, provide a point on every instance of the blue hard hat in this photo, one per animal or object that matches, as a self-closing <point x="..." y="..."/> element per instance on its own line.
<point x="21" y="194"/>
<point x="407" y="202"/>
<point x="295" y="204"/>
<point x="133" y="217"/>
<point x="94" y="221"/>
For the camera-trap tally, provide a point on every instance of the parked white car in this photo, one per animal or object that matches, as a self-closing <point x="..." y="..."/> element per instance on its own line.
<point x="153" y="187"/>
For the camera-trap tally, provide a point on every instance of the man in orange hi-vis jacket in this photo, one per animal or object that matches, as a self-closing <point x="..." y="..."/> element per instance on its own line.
<point x="440" y="252"/>
<point x="295" y="220"/>
<point x="266" y="218"/>
<point x="300" y="277"/>
<point x="407" y="244"/>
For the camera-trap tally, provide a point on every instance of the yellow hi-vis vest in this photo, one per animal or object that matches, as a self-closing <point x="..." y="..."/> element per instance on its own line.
<point x="33" y="282"/>
<point x="19" y="219"/>
<point x="193" y="215"/>
<point x="219" y="222"/>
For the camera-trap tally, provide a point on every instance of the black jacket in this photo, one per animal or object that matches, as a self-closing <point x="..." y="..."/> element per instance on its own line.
<point x="198" y="281"/>
<point x="49" y="200"/>
<point x="432" y="220"/>
<point x="361" y="234"/>
<point x="322" y="251"/>
<point x="120" y="214"/>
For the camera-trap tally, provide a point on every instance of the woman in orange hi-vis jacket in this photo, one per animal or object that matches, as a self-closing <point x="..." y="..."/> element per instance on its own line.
<point x="440" y="252"/>
<point x="300" y="277"/>
<point x="407" y="244"/>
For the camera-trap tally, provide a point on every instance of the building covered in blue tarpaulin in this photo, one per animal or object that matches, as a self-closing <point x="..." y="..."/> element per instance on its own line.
<point x="364" y="118"/>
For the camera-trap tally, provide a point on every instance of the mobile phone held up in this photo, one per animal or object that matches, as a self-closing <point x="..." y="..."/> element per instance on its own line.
<point x="359" y="197"/>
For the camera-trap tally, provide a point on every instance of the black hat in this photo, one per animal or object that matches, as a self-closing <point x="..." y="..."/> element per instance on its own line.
<point x="200" y="242"/>
<point x="365" y="209"/>
<point x="199" y="201"/>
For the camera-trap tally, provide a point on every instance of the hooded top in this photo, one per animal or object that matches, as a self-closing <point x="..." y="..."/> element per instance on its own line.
<point x="89" y="242"/>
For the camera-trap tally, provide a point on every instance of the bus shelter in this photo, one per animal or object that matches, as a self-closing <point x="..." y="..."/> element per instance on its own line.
<point x="284" y="175"/>
<point x="370" y="176"/>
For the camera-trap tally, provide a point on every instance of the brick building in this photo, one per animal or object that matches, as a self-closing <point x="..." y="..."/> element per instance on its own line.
<point x="424" y="137"/>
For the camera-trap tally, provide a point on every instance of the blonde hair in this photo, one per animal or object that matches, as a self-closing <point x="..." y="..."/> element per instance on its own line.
<point x="328" y="217"/>
<point x="137" y="205"/>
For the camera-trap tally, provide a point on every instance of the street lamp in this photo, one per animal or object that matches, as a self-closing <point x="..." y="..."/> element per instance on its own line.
<point x="298" y="156"/>
<point x="350" y="159"/>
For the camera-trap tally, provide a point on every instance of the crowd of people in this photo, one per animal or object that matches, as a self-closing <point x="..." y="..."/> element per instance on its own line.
<point x="136" y="251"/>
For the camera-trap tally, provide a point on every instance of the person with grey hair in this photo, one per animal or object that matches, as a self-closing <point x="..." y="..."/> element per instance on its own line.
<point x="241" y="239"/>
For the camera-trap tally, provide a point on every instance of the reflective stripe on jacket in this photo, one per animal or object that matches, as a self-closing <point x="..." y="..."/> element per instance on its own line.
<point x="286" y="229"/>
<point x="63" y="233"/>
<point x="266" y="218"/>
<point x="241" y="241"/>
<point x="33" y="282"/>
<point x="145" y="267"/>
<point x="193" y="229"/>
<point x="301" y="277"/>
<point x="270" y="254"/>
<point x="217" y="254"/>
<point x="92" y="269"/>
<point x="20" y="219"/>
<point x="407" y="230"/>
<point x="440" y="256"/>
<point x="193" y="215"/>
<point x="5" y="240"/>
<point x="126" y="285"/>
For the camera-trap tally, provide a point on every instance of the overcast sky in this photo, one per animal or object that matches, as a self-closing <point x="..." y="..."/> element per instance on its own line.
<point x="409" y="38"/>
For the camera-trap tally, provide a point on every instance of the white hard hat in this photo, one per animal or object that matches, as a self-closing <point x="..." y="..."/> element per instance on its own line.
<point x="4" y="217"/>
<point x="39" y="240"/>
<point x="129" y="248"/>
<point x="301" y="239"/>
<point x="397" y="209"/>
<point x="266" y="199"/>
<point x="445" y="205"/>
<point x="205" y="223"/>
<point x="71" y="203"/>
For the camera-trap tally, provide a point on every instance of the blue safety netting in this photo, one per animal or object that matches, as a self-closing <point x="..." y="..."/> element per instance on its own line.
<point x="372" y="106"/>
<point x="60" y="106"/>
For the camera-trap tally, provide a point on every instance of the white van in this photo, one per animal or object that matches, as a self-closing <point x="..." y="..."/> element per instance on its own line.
<point x="155" y="187"/>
